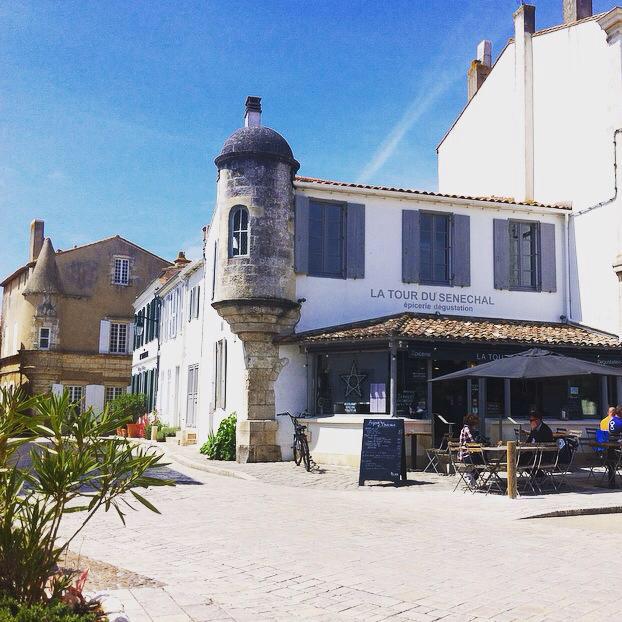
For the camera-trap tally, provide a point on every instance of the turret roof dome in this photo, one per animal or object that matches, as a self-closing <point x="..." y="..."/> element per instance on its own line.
<point x="259" y="141"/>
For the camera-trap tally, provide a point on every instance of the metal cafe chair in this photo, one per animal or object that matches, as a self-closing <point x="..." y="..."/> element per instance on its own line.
<point x="547" y="468"/>
<point x="491" y="468"/>
<point x="462" y="469"/>
<point x="527" y="461"/>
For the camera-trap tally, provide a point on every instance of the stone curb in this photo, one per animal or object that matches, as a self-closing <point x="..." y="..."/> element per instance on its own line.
<point x="616" y="509"/>
<point x="194" y="464"/>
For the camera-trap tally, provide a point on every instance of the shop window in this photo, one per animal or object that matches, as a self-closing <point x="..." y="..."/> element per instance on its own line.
<point x="326" y="240"/>
<point x="238" y="232"/>
<point x="350" y="383"/>
<point x="435" y="248"/>
<point x="523" y="255"/>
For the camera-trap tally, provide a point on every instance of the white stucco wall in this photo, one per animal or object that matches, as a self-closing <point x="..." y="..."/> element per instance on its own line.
<point x="382" y="292"/>
<point x="577" y="90"/>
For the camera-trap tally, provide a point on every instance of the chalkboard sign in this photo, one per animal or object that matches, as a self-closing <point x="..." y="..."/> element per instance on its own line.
<point x="383" y="451"/>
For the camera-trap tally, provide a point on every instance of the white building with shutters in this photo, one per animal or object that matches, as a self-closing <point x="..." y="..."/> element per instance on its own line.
<point x="344" y="300"/>
<point x="362" y="295"/>
<point x="175" y="371"/>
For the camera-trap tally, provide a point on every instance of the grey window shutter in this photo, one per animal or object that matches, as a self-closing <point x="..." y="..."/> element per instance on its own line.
<point x="547" y="257"/>
<point x="301" y="239"/>
<point x="501" y="252"/>
<point x="461" y="250"/>
<point x="410" y="245"/>
<point x="355" y="241"/>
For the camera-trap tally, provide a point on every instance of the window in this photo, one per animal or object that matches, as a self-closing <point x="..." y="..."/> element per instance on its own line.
<point x="192" y="396"/>
<point x="220" y="374"/>
<point x="114" y="392"/>
<point x="118" y="338"/>
<point x="326" y="240"/>
<point x="121" y="271"/>
<point x="75" y="395"/>
<point x="523" y="255"/>
<point x="193" y="307"/>
<point x="435" y="248"/>
<point x="44" y="338"/>
<point x="238" y="232"/>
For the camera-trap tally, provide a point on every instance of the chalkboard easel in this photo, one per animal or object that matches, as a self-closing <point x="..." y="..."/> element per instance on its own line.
<point x="383" y="451"/>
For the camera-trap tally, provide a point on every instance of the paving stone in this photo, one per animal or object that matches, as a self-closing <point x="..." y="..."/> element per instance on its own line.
<point x="275" y="549"/>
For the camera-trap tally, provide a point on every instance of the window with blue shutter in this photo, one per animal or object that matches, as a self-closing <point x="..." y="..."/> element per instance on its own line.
<point x="329" y="239"/>
<point x="436" y="248"/>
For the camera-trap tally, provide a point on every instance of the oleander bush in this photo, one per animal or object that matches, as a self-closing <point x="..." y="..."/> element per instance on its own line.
<point x="73" y="466"/>
<point x="221" y="446"/>
<point x="11" y="610"/>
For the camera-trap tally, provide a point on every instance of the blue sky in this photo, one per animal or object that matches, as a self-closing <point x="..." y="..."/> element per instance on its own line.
<point x="111" y="113"/>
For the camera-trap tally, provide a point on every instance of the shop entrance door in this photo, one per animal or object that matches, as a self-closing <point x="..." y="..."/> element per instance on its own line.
<point x="449" y="398"/>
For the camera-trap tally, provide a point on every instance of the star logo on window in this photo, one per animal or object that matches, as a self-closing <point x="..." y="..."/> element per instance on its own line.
<point x="353" y="381"/>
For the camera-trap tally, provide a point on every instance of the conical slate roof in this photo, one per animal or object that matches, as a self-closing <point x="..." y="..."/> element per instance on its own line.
<point x="45" y="278"/>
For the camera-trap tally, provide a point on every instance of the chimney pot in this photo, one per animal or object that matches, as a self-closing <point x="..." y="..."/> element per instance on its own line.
<point x="252" y="116"/>
<point x="574" y="10"/>
<point x="484" y="53"/>
<point x="37" y="228"/>
<point x="526" y="15"/>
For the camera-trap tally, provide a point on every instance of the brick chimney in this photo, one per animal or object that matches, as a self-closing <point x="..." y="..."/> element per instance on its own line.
<point x="479" y="69"/>
<point x="574" y="10"/>
<point x="36" y="239"/>
<point x="252" y="117"/>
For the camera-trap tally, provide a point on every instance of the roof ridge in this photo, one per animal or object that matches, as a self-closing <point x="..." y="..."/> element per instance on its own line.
<point x="488" y="199"/>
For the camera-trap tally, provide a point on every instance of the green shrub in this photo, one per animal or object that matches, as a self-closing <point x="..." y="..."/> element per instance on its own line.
<point x="166" y="431"/>
<point x="132" y="406"/>
<point x="75" y="466"/>
<point x="221" y="446"/>
<point x="12" y="610"/>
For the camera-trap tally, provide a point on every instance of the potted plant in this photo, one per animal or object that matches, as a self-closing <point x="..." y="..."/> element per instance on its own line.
<point x="132" y="407"/>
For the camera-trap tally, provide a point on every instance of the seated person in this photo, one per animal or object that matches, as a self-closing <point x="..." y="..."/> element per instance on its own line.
<point x="470" y="434"/>
<point x="540" y="432"/>
<point x="604" y="423"/>
<point x="615" y="425"/>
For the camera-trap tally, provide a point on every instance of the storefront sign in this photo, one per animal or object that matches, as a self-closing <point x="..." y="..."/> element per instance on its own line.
<point x="383" y="452"/>
<point x="430" y="301"/>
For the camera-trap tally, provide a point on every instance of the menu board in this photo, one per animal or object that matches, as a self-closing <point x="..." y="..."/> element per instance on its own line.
<point x="383" y="452"/>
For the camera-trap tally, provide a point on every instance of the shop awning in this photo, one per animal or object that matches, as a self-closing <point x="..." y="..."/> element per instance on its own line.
<point x="534" y="363"/>
<point x="459" y="329"/>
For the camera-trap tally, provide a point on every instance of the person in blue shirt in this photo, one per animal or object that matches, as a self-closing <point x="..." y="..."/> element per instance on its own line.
<point x="615" y="425"/>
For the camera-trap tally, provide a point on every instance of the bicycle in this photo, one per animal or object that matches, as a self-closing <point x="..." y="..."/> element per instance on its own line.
<point x="301" y="444"/>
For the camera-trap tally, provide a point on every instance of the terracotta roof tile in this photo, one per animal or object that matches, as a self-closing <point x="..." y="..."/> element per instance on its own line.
<point x="422" y="327"/>
<point x="490" y="199"/>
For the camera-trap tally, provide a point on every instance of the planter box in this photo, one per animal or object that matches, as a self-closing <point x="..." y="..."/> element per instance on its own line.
<point x="173" y="440"/>
<point x="135" y="430"/>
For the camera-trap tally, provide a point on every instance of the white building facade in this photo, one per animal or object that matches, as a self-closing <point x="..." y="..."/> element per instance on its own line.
<point x="344" y="300"/>
<point x="546" y="125"/>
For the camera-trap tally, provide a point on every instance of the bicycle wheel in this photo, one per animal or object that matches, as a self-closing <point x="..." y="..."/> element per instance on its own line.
<point x="297" y="451"/>
<point x="306" y="456"/>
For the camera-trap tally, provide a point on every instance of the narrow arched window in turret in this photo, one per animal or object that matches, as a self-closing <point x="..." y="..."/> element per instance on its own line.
<point x="238" y="231"/>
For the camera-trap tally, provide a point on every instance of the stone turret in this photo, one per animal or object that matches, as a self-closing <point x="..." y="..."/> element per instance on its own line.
<point x="256" y="288"/>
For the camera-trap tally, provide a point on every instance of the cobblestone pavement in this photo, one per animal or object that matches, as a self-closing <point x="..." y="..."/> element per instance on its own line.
<point x="229" y="549"/>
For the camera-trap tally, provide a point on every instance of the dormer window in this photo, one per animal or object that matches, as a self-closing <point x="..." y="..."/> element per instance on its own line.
<point x="121" y="274"/>
<point x="238" y="232"/>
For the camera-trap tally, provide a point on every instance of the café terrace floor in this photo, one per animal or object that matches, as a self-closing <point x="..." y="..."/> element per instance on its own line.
<point x="582" y="496"/>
